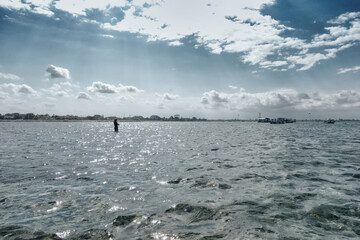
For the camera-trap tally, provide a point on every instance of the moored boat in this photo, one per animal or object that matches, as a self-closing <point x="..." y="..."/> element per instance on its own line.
<point x="277" y="121"/>
<point x="330" y="121"/>
<point x="264" y="120"/>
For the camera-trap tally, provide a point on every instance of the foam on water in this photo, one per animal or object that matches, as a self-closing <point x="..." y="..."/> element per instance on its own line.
<point x="171" y="180"/>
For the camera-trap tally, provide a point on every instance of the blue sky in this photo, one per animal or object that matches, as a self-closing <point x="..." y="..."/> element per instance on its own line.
<point x="204" y="58"/>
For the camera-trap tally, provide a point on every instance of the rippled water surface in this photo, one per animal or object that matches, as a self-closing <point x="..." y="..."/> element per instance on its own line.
<point x="171" y="180"/>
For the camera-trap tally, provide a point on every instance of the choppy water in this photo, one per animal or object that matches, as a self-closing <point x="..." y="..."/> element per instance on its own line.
<point x="168" y="180"/>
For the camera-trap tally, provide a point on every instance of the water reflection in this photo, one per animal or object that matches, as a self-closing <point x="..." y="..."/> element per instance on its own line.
<point x="180" y="180"/>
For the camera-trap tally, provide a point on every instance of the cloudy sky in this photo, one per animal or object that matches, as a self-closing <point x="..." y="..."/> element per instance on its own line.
<point x="202" y="58"/>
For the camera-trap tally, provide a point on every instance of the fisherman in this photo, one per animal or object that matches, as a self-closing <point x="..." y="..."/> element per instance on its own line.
<point x="116" y="129"/>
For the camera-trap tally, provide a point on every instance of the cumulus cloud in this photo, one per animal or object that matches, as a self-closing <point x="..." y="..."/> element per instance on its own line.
<point x="25" y="89"/>
<point x="170" y="97"/>
<point x="18" y="88"/>
<point x="214" y="98"/>
<point x="205" y="100"/>
<point x="347" y="98"/>
<point x="101" y="87"/>
<point x="9" y="76"/>
<point x="57" y="72"/>
<point x="83" y="95"/>
<point x="345" y="70"/>
<point x="62" y="89"/>
<point x="130" y="89"/>
<point x="280" y="99"/>
<point x="233" y="87"/>
<point x="56" y="90"/>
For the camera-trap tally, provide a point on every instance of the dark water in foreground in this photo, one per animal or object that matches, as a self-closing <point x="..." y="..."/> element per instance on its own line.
<point x="212" y="180"/>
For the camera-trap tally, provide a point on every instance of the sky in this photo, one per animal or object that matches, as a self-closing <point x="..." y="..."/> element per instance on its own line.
<point x="214" y="59"/>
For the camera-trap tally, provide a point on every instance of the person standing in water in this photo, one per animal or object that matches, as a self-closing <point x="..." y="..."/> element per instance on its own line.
<point x="116" y="129"/>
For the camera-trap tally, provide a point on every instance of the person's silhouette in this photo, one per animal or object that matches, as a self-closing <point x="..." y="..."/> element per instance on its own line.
<point x="116" y="129"/>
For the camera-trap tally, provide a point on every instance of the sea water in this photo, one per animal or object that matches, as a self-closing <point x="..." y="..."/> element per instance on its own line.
<point x="179" y="180"/>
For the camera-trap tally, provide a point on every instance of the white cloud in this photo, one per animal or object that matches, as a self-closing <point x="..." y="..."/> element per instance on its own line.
<point x="269" y="64"/>
<point x="238" y="27"/>
<point x="62" y="89"/>
<point x="107" y="36"/>
<point x="18" y="88"/>
<point x="9" y="76"/>
<point x="36" y="6"/>
<point x="101" y="87"/>
<point x="210" y="24"/>
<point x="215" y="99"/>
<point x="219" y="26"/>
<point x="69" y="85"/>
<point x="345" y="70"/>
<point x="14" y="4"/>
<point x="281" y="99"/>
<point x="348" y="98"/>
<point x="83" y="95"/>
<point x="337" y="36"/>
<point x="175" y="43"/>
<point x="79" y="7"/>
<point x="170" y="97"/>
<point x="343" y="18"/>
<point x="57" y="72"/>
<point x="25" y="89"/>
<point x="308" y="60"/>
<point x="233" y="87"/>
<point x="55" y="90"/>
<point x="130" y="89"/>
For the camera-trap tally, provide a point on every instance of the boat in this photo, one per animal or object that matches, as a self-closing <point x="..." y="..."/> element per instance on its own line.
<point x="290" y="120"/>
<point x="277" y="121"/>
<point x="264" y="120"/>
<point x="281" y="120"/>
<point x="329" y="121"/>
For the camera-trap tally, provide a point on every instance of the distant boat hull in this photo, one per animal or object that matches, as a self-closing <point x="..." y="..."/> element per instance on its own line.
<point x="276" y="120"/>
<point x="264" y="120"/>
<point x="329" y="121"/>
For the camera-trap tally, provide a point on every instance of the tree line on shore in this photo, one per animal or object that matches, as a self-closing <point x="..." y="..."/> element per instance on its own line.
<point x="47" y="117"/>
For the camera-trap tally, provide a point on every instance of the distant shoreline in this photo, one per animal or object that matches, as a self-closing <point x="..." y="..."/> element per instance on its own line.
<point x="130" y="120"/>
